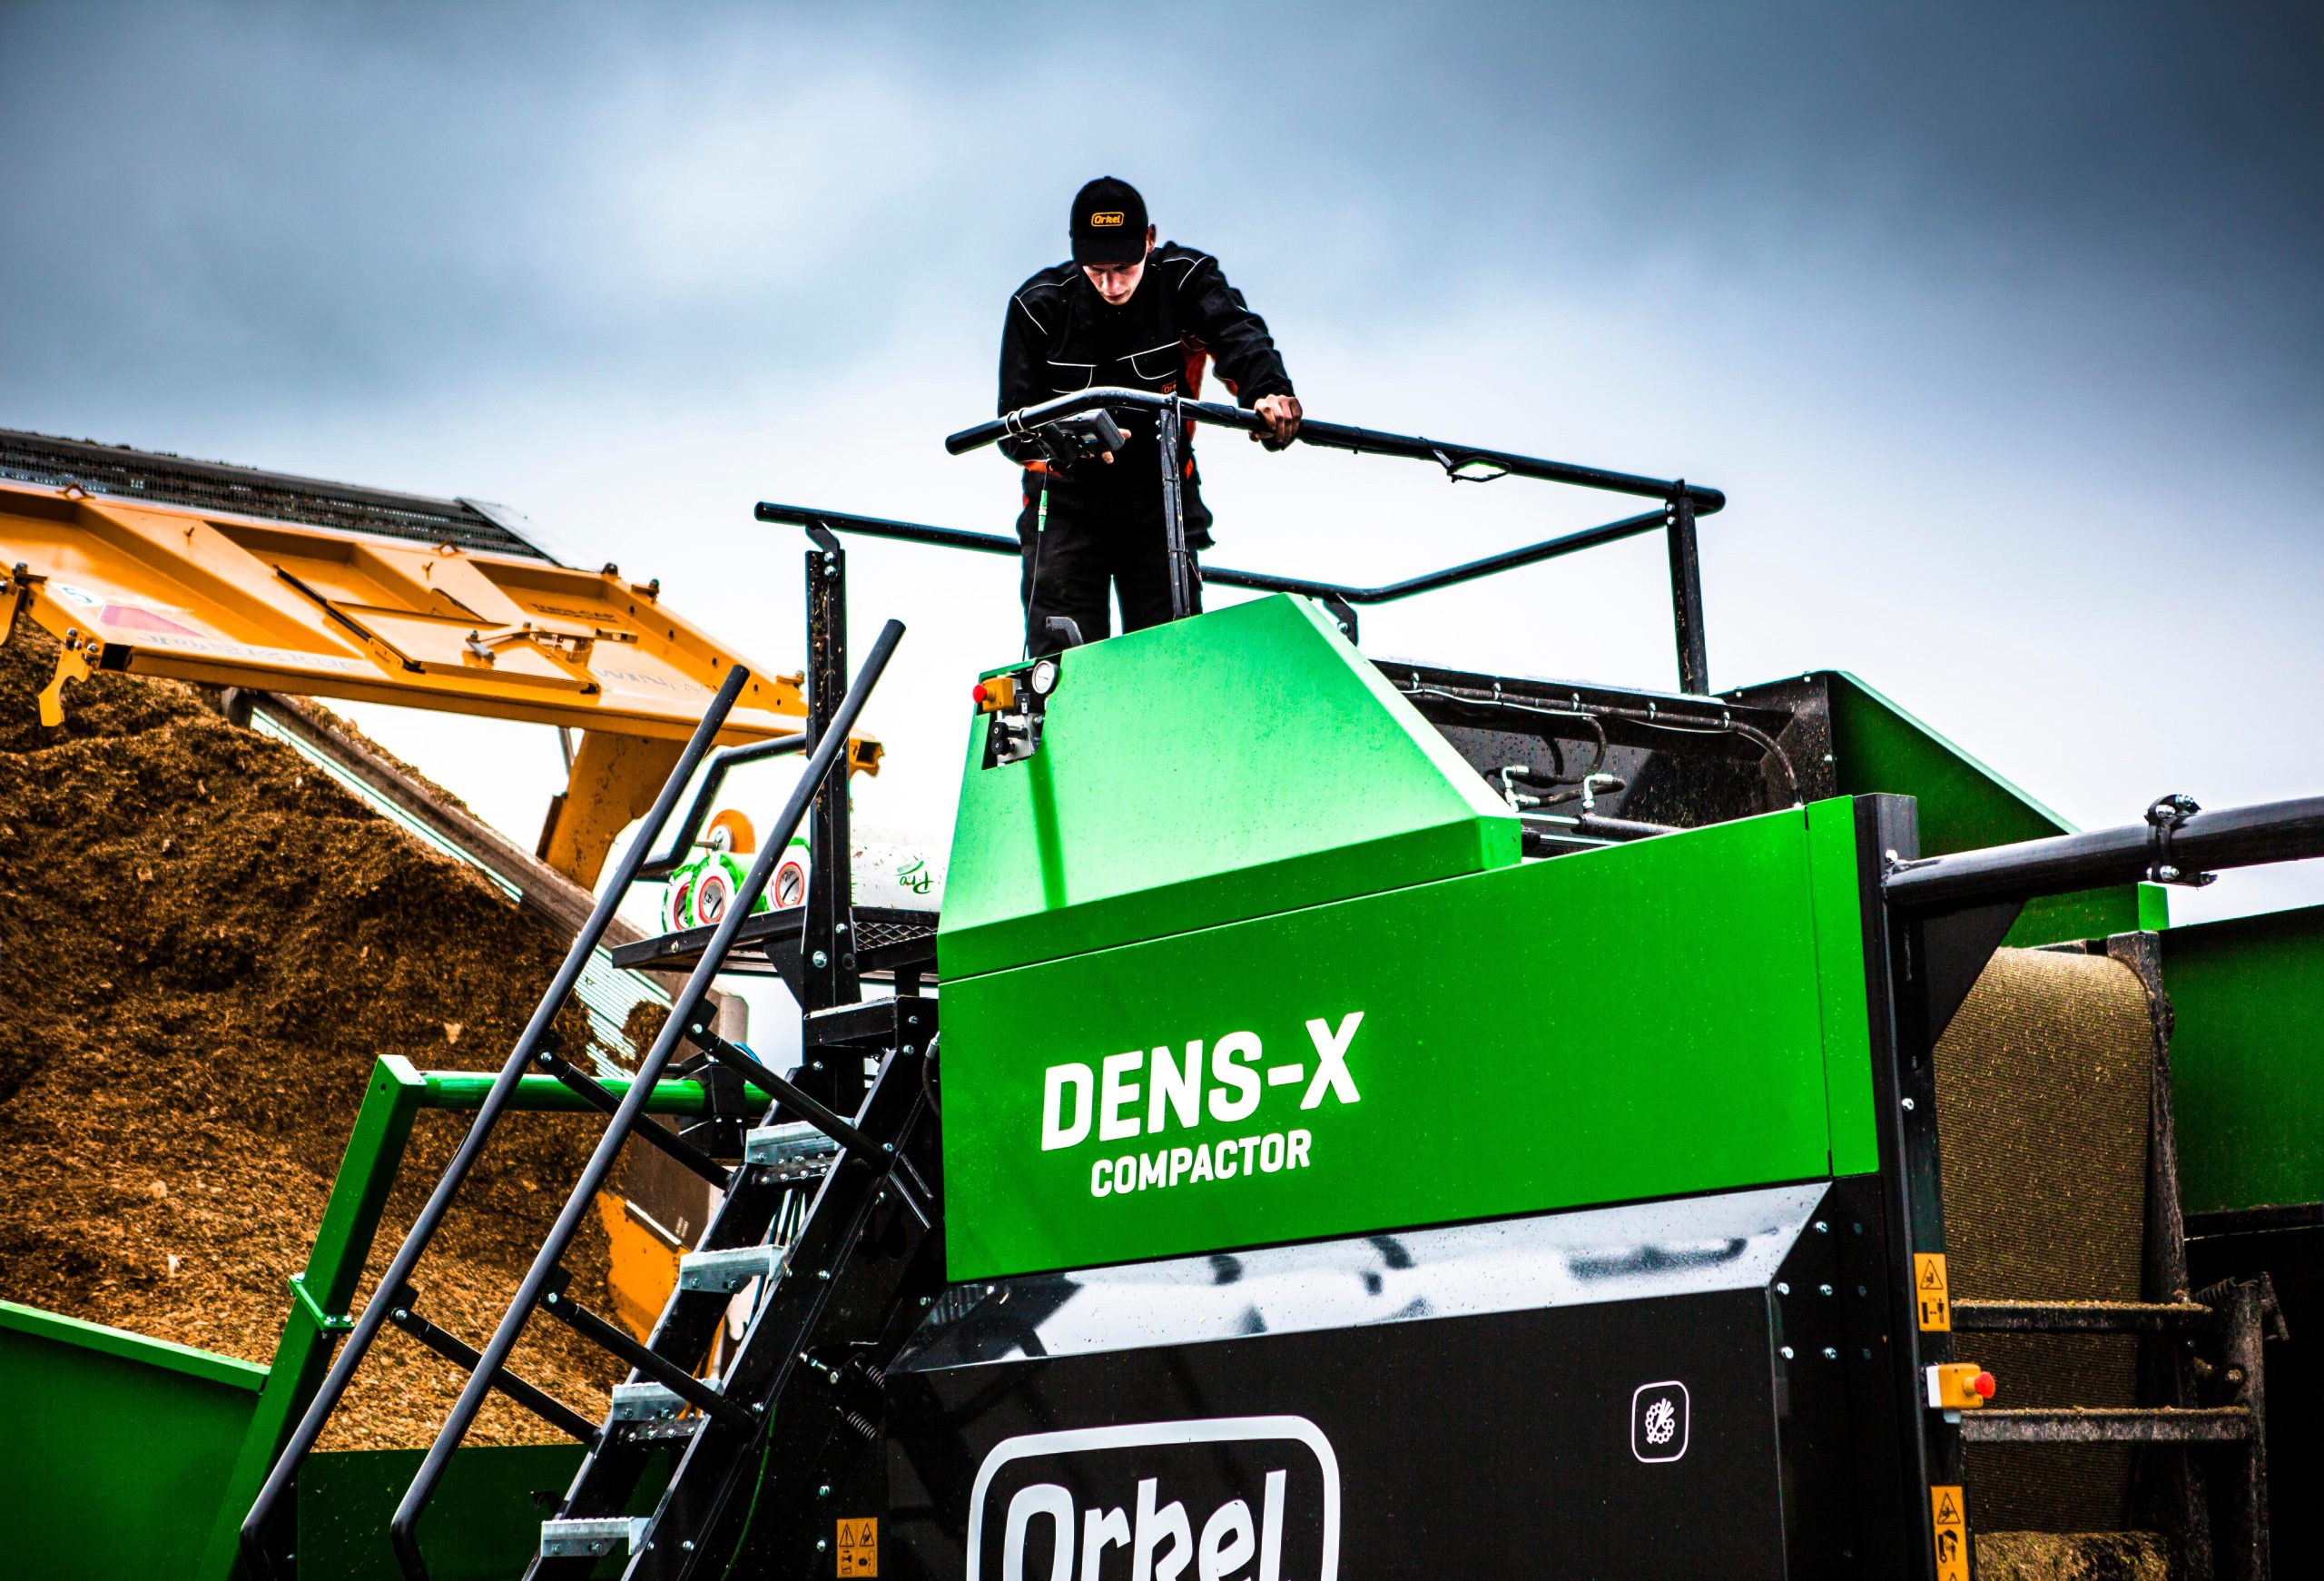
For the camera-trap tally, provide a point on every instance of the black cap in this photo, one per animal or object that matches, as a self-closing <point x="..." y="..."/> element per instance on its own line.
<point x="1108" y="223"/>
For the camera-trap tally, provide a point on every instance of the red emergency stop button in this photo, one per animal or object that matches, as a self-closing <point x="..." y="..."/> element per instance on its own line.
<point x="1959" y="1386"/>
<point x="991" y="696"/>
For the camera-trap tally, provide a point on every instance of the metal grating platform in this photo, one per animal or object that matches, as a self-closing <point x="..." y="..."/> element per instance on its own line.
<point x="888" y="941"/>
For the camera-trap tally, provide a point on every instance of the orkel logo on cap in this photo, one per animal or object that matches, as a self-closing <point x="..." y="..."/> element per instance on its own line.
<point x="1110" y="217"/>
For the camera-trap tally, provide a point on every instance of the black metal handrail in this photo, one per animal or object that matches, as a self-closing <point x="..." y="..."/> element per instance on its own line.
<point x="376" y="1313"/>
<point x="689" y="828"/>
<point x="2248" y="836"/>
<point x="1681" y="503"/>
<point x="1338" y="596"/>
<point x="544" y="1278"/>
<point x="1453" y="458"/>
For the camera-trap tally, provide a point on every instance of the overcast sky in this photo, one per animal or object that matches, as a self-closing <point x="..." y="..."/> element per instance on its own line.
<point x="2000" y="326"/>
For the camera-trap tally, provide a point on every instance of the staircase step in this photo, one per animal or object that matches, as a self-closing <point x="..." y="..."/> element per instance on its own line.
<point x="874" y="1020"/>
<point x="883" y="1260"/>
<point x="645" y="1402"/>
<point x="2050" y="1555"/>
<point x="794" y="1149"/>
<point x="580" y="1539"/>
<point x="763" y="936"/>
<point x="767" y="944"/>
<point x="2079" y="1317"/>
<point x="729" y="1269"/>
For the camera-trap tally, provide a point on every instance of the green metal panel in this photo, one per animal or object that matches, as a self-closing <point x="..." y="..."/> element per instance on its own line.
<point x="2247" y="1059"/>
<point x="484" y="1523"/>
<point x="1965" y="805"/>
<point x="1245" y="762"/>
<point x="118" y="1450"/>
<point x="1838" y="901"/>
<point x="166" y="1355"/>
<point x="1642" y="1021"/>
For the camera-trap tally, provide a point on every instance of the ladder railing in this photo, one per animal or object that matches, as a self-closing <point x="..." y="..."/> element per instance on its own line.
<point x="397" y="1276"/>
<point x="545" y="1282"/>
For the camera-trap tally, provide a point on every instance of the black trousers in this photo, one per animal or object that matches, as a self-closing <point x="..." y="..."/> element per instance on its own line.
<point x="1098" y="540"/>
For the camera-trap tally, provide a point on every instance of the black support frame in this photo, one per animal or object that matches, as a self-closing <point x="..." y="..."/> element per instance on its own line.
<point x="1912" y="1207"/>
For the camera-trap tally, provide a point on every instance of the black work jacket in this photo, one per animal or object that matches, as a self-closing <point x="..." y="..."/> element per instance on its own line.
<point x="1061" y="336"/>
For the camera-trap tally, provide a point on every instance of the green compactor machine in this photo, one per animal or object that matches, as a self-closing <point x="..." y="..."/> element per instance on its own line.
<point x="1391" y="1121"/>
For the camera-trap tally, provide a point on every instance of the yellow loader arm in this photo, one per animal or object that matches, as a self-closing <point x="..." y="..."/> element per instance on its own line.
<point x="209" y="596"/>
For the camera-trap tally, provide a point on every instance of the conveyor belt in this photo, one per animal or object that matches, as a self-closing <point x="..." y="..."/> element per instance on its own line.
<point x="2044" y="1083"/>
<point x="150" y="478"/>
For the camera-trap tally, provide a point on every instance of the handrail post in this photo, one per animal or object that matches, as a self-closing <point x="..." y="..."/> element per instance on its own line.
<point x="827" y="933"/>
<point x="1170" y="428"/>
<point x="1686" y="594"/>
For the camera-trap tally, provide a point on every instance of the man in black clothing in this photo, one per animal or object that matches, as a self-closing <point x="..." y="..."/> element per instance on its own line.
<point x="1124" y="312"/>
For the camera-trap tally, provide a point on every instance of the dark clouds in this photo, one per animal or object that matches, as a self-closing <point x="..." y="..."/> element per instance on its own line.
<point x="287" y="201"/>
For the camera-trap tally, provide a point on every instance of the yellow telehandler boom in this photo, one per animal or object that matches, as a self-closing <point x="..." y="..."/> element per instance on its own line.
<point x="226" y="575"/>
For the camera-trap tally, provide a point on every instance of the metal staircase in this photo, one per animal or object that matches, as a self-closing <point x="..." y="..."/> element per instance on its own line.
<point x="824" y="1249"/>
<point x="795" y="1402"/>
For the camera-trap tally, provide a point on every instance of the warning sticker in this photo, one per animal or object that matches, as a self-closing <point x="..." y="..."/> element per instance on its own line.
<point x="1952" y="1528"/>
<point x="859" y="1548"/>
<point x="1928" y="1280"/>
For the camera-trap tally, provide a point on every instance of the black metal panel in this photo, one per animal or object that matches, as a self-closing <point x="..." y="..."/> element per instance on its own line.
<point x="1877" y="1360"/>
<point x="1639" y="1251"/>
<point x="1680" y="761"/>
<point x="1651" y="1390"/>
<point x="1955" y="946"/>
<point x="1805" y="738"/>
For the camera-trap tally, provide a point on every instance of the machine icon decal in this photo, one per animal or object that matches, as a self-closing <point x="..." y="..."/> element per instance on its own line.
<point x="1659" y="1422"/>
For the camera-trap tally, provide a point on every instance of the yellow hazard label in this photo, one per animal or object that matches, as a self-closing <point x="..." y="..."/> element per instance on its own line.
<point x="1928" y="1291"/>
<point x="858" y="1546"/>
<point x="1952" y="1528"/>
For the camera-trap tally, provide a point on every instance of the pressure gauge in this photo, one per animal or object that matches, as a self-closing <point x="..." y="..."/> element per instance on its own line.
<point x="1044" y="677"/>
